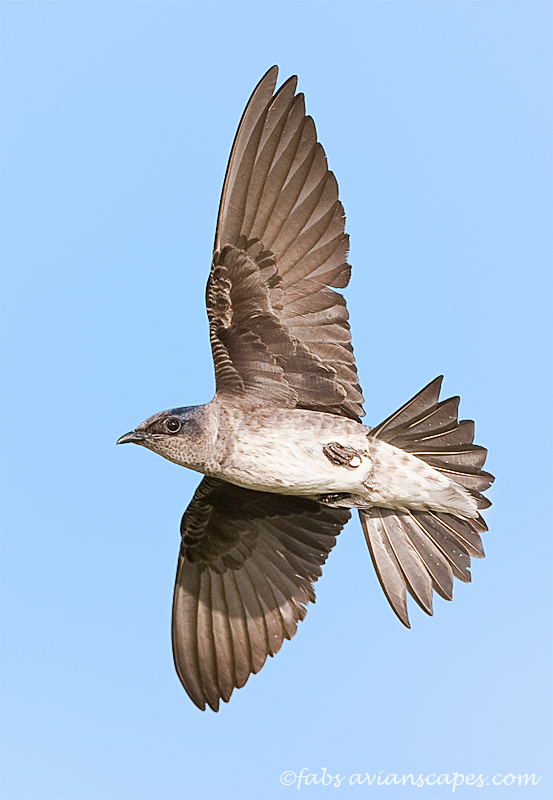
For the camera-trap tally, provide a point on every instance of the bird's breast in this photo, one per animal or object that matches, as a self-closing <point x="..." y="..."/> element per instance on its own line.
<point x="287" y="455"/>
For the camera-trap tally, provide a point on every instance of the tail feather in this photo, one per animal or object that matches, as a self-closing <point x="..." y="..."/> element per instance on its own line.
<point x="430" y="430"/>
<point x="417" y="551"/>
<point x="481" y="501"/>
<point x="385" y="562"/>
<point x="470" y="478"/>
<point x="462" y="434"/>
<point x="462" y="531"/>
<point x="462" y="455"/>
<point x="478" y="524"/>
<point x="434" y="560"/>
<point x="453" y="549"/>
<point x="441" y="416"/>
<point x="417" y="577"/>
<point x="418" y="404"/>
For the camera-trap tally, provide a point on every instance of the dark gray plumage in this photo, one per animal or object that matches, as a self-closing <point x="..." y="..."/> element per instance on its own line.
<point x="281" y="445"/>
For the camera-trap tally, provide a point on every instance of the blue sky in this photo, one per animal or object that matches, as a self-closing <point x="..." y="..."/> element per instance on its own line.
<point x="118" y="121"/>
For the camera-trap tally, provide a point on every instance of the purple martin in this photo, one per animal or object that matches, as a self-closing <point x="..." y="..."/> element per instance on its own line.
<point x="282" y="447"/>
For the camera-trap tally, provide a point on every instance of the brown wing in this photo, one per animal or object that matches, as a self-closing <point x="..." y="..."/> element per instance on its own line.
<point x="277" y="329"/>
<point x="246" y="570"/>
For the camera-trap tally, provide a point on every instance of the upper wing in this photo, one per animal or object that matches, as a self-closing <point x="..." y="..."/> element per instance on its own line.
<point x="246" y="568"/>
<point x="277" y="329"/>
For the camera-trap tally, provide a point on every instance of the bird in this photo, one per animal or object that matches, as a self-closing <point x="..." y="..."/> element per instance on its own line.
<point x="284" y="454"/>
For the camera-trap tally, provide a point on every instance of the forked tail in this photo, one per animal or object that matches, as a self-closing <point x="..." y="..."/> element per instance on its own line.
<point x="421" y="551"/>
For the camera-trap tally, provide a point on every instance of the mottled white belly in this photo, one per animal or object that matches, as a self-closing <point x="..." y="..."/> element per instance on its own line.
<point x="293" y="462"/>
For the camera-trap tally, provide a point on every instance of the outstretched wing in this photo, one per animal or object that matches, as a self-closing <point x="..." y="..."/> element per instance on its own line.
<point x="277" y="330"/>
<point x="246" y="570"/>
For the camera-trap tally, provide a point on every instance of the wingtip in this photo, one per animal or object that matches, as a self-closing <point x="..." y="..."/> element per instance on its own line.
<point x="292" y="80"/>
<point x="270" y="76"/>
<point x="400" y="613"/>
<point x="436" y="382"/>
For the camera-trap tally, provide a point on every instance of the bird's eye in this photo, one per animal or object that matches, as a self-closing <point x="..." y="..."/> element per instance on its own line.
<point x="173" y="425"/>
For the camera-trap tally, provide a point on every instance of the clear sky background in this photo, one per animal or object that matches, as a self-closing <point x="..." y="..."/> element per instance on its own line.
<point x="118" y="121"/>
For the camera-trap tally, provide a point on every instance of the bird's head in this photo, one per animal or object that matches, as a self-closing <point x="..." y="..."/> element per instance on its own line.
<point x="177" y="434"/>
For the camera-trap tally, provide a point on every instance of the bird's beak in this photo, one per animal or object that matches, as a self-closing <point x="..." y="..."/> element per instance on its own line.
<point x="132" y="437"/>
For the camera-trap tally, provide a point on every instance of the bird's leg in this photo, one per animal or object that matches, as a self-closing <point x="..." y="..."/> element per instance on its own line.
<point x="341" y="455"/>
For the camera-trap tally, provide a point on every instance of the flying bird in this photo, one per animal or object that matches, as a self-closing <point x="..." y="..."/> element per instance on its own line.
<point x="282" y="447"/>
